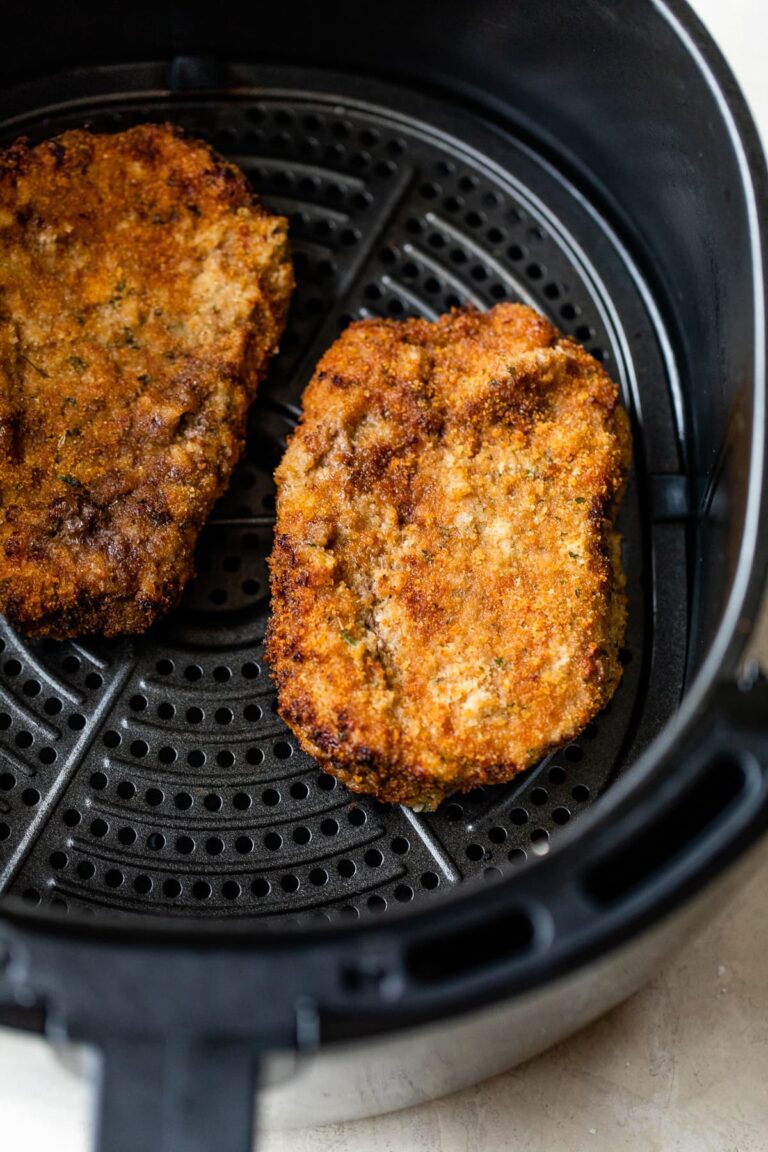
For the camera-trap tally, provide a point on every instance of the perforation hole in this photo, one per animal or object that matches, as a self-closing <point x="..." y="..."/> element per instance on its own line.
<point x="182" y="801"/>
<point x="171" y="889"/>
<point x="329" y="826"/>
<point x="154" y="797"/>
<point x="556" y="774"/>
<point x="142" y="885"/>
<point x="113" y="878"/>
<point x="127" y="836"/>
<point x="213" y="802"/>
<point x="346" y="868"/>
<point x="399" y="845"/>
<point x="475" y="852"/>
<point x="85" y="870"/>
<point x="540" y="841"/>
<point x="260" y="887"/>
<point x="273" y="841"/>
<point x="201" y="890"/>
<point x="580" y="792"/>
<point x="156" y="841"/>
<point x="185" y="845"/>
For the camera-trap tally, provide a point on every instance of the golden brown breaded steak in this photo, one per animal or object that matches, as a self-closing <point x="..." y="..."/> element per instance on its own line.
<point x="446" y="578"/>
<point x="143" y="289"/>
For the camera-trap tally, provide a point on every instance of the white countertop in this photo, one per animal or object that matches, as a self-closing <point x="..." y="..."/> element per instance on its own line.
<point x="681" y="1067"/>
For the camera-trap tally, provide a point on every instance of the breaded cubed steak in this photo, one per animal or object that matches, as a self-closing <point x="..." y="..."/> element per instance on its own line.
<point x="446" y="578"/>
<point x="143" y="289"/>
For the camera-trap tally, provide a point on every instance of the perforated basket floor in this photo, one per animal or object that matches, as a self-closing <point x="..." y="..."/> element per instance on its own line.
<point x="153" y="774"/>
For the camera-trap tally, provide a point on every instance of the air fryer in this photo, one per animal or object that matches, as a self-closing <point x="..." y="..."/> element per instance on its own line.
<point x="188" y="902"/>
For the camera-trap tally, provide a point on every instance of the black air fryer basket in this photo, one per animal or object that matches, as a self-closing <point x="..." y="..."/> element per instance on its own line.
<point x="184" y="889"/>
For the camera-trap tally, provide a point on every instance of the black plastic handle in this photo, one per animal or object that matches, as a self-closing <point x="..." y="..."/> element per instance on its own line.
<point x="180" y="1096"/>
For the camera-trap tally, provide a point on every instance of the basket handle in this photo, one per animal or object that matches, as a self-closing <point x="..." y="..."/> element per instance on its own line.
<point x="180" y="1095"/>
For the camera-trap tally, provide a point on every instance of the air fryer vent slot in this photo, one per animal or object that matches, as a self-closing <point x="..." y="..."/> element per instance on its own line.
<point x="659" y="843"/>
<point x="450" y="957"/>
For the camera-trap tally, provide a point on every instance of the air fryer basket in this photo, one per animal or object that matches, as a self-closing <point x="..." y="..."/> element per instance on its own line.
<point x="148" y="783"/>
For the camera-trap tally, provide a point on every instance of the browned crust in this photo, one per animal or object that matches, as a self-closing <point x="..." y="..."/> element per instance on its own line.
<point x="143" y="289"/>
<point x="447" y="589"/>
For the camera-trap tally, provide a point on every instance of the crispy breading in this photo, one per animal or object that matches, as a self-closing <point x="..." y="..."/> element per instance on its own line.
<point x="447" y="589"/>
<point x="143" y="289"/>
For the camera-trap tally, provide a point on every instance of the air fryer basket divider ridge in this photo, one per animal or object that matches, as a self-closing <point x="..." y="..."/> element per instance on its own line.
<point x="153" y="774"/>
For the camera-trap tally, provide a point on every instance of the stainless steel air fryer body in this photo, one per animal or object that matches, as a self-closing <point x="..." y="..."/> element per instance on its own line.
<point x="185" y="892"/>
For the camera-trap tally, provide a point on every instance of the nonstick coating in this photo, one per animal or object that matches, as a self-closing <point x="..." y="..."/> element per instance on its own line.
<point x="152" y="774"/>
